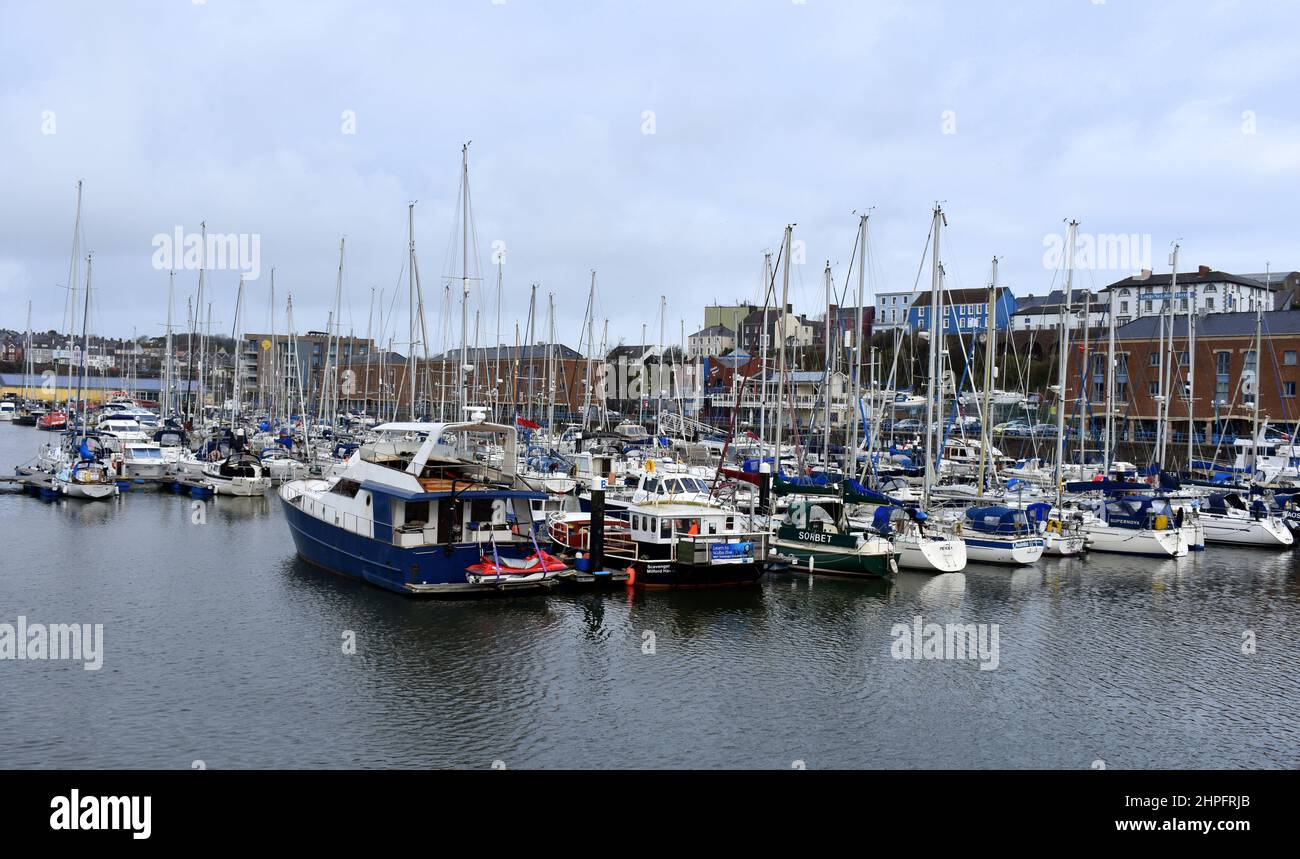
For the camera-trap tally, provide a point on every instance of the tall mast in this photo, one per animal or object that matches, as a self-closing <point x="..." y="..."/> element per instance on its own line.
<point x="781" y="320"/>
<point x="1063" y="354"/>
<point x="1191" y="370"/>
<point x="529" y="342"/>
<point x="236" y="334"/>
<point x="553" y="360"/>
<point x="198" y="313"/>
<point x="1169" y="362"/>
<point x="828" y="347"/>
<point x="273" y="384"/>
<point x="85" y="351"/>
<point x="1259" y="362"/>
<point x="990" y="350"/>
<point x="410" y="284"/>
<point x="935" y="388"/>
<point x="464" y="272"/>
<point x="590" y="325"/>
<point x="856" y="345"/>
<point x="168" y="369"/>
<point x="27" y="356"/>
<point x="370" y="357"/>
<point x="762" y="361"/>
<point x="1111" y="362"/>
<point x="74" y="275"/>
<point x="496" y="372"/>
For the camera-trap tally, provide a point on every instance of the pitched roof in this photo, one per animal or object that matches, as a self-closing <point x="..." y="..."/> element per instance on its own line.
<point x="1185" y="277"/>
<point x="1051" y="303"/>
<point x="714" y="331"/>
<point x="1215" y="325"/>
<point x="960" y="296"/>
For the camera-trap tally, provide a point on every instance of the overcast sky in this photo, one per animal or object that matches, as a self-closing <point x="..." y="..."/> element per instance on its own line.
<point x="1176" y="121"/>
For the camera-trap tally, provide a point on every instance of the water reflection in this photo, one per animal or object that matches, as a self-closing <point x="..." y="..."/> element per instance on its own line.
<point x="220" y="644"/>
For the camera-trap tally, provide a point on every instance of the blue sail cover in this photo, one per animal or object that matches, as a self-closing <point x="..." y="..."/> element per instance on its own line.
<point x="753" y="466"/>
<point x="856" y="492"/>
<point x="885" y="516"/>
<point x="86" y="453"/>
<point x="1037" y="512"/>
<point x="819" y="479"/>
<point x="1135" y="511"/>
<point x="998" y="520"/>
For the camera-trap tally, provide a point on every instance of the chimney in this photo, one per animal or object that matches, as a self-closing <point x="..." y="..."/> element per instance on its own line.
<point x="1203" y="269"/>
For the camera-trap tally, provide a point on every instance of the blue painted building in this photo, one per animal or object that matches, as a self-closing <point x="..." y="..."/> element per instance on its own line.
<point x="964" y="310"/>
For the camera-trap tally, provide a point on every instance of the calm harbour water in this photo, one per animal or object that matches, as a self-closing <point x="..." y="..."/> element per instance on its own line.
<point x="221" y="647"/>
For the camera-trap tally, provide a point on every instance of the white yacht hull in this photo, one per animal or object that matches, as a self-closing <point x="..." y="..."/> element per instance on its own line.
<point x="239" y="486"/>
<point x="1244" y="531"/>
<point x="987" y="549"/>
<point x="1169" y="543"/>
<point x="931" y="553"/>
<point x="91" y="491"/>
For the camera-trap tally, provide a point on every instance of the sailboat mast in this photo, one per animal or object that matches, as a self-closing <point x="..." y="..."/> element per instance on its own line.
<point x="829" y="347"/>
<point x="1111" y="362"/>
<point x="762" y="361"/>
<point x="85" y="350"/>
<point x="1259" y="362"/>
<point x="464" y="276"/>
<point x="1191" y="370"/>
<point x="990" y="350"/>
<point x="166" y="390"/>
<point x="73" y="278"/>
<point x="496" y="370"/>
<point x="1169" y="361"/>
<point x="552" y="361"/>
<point x="781" y="322"/>
<point x="1063" y="355"/>
<point x="410" y="298"/>
<point x="856" y="344"/>
<point x="936" y="333"/>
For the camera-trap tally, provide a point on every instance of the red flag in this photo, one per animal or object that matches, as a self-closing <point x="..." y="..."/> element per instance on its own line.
<point x="525" y="423"/>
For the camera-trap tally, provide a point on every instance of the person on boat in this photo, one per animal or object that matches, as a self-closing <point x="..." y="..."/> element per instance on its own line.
<point x="694" y="530"/>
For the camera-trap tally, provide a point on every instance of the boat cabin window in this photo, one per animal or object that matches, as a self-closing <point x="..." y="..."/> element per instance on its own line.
<point x="350" y="488"/>
<point x="488" y="513"/>
<point x="665" y="528"/>
<point x="417" y="513"/>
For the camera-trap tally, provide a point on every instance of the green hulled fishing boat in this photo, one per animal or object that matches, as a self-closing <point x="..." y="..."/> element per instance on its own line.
<point x="814" y="536"/>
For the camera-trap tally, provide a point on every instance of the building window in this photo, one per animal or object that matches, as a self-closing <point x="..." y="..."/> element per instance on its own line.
<point x="1288" y="390"/>
<point x="1123" y="307"/>
<point x="1148" y="303"/>
<point x="1209" y="303"/>
<point x="1183" y="359"/>
<point x="1153" y="388"/>
<point x="1288" y="357"/>
<point x="1153" y="360"/>
<point x="1249" y="366"/>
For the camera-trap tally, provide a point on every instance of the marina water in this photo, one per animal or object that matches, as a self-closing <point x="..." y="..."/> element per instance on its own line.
<point x="220" y="647"/>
